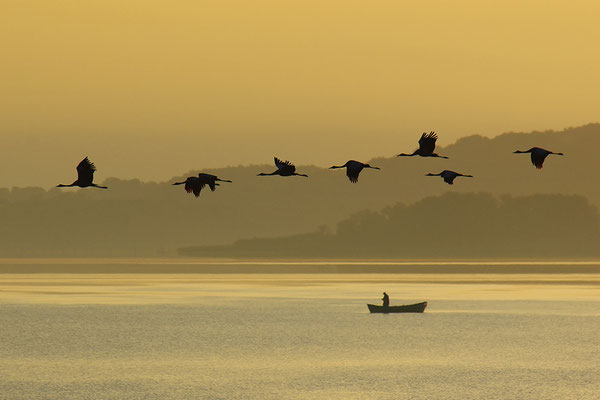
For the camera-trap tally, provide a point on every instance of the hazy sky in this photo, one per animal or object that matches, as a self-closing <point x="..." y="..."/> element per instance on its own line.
<point x="151" y="89"/>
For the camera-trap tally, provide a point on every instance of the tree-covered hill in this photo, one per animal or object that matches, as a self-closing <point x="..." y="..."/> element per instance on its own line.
<point x="448" y="226"/>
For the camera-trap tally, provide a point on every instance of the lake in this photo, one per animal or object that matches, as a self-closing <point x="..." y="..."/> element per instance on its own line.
<point x="508" y="331"/>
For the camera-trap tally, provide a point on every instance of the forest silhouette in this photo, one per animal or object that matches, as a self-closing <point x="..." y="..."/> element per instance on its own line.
<point x="135" y="218"/>
<point x="471" y="225"/>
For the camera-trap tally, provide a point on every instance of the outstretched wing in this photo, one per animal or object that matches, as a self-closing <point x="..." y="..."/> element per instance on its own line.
<point x="282" y="164"/>
<point x="427" y="142"/>
<point x="449" y="179"/>
<point x="286" y="166"/>
<point x="207" y="179"/>
<point x="189" y="187"/>
<point x="353" y="170"/>
<point x="352" y="175"/>
<point x="193" y="185"/>
<point x="537" y="159"/>
<point x="85" y="171"/>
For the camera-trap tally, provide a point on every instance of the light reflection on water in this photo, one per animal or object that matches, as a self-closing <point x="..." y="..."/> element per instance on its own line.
<point x="298" y="336"/>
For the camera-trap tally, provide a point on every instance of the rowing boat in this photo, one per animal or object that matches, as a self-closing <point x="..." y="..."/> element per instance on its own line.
<point x="409" y="308"/>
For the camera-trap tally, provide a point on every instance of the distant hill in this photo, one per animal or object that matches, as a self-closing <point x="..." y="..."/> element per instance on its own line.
<point x="136" y="218"/>
<point x="452" y="225"/>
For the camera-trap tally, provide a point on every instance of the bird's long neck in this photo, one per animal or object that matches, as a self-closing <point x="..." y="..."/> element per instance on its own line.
<point x="521" y="152"/>
<point x="338" y="166"/>
<point x="71" y="185"/>
<point x="430" y="174"/>
<point x="408" y="155"/>
<point x="99" y="187"/>
<point x="223" y="180"/>
<point x="178" y="183"/>
<point x="295" y="173"/>
<point x="265" y="174"/>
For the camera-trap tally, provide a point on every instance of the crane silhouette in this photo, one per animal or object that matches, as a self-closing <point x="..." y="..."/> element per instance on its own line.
<point x="426" y="146"/>
<point x="194" y="184"/>
<point x="85" y="175"/>
<point x="449" y="176"/>
<point x="284" y="168"/>
<point x="538" y="155"/>
<point x="353" y="169"/>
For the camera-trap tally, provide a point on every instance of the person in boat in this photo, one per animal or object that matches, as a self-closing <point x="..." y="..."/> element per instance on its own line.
<point x="386" y="300"/>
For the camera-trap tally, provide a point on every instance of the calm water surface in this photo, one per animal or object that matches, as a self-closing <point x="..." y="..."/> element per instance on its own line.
<point x="183" y="336"/>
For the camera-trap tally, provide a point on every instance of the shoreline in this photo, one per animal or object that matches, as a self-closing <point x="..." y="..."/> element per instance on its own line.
<point x="231" y="266"/>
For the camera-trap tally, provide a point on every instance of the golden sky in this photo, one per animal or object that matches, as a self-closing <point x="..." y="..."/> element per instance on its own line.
<point x="151" y="89"/>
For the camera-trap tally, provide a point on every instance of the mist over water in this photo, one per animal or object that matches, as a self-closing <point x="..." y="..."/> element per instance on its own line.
<point x="298" y="336"/>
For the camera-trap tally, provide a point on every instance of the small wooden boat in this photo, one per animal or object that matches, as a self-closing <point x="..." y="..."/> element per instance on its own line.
<point x="409" y="308"/>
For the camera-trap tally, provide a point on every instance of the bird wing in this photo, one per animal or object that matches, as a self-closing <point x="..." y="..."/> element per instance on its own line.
<point x="449" y="176"/>
<point x="207" y="179"/>
<point x="193" y="185"/>
<point x="204" y="176"/>
<point x="85" y="171"/>
<point x="538" y="157"/>
<point x="189" y="185"/>
<point x="285" y="166"/>
<point x="282" y="164"/>
<point x="353" y="170"/>
<point x="449" y="179"/>
<point x="427" y="142"/>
